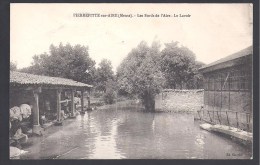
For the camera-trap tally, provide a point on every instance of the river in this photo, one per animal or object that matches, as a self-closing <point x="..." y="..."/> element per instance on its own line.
<point x="126" y="133"/>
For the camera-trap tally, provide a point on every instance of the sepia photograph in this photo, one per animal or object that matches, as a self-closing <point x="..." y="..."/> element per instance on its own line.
<point x="131" y="81"/>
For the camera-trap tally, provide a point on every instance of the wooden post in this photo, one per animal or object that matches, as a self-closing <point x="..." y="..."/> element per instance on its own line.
<point x="72" y="105"/>
<point x="213" y="117"/>
<point x="209" y="117"/>
<point x="36" y="112"/>
<point x="228" y="119"/>
<point x="248" y="121"/>
<point x="82" y="102"/>
<point x="89" y="100"/>
<point x="199" y="114"/>
<point x="59" y="122"/>
<point x="162" y="95"/>
<point x="219" y="118"/>
<point x="237" y="121"/>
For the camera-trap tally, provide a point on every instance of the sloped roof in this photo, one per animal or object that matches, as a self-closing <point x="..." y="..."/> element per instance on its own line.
<point x="20" y="78"/>
<point x="243" y="53"/>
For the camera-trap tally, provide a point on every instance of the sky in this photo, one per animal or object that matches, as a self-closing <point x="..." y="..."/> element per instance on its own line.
<point x="212" y="31"/>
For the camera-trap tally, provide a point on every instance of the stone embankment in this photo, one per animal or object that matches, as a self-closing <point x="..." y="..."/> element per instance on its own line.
<point x="229" y="131"/>
<point x="179" y="100"/>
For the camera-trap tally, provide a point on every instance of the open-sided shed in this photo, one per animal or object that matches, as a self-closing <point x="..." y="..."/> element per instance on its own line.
<point x="36" y="89"/>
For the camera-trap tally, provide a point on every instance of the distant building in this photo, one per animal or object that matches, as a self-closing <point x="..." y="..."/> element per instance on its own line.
<point x="228" y="89"/>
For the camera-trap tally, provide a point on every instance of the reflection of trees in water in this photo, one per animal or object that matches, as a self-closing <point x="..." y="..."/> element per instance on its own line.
<point x="134" y="133"/>
<point x="156" y="135"/>
<point x="86" y="135"/>
<point x="173" y="135"/>
<point x="178" y="135"/>
<point x="103" y="121"/>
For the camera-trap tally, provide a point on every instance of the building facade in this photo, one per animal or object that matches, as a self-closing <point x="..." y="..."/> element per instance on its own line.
<point x="228" y="86"/>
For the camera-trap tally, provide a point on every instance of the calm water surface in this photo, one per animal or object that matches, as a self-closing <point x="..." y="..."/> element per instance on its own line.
<point x="130" y="134"/>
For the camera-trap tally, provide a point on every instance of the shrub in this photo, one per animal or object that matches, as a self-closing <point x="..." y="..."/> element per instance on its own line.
<point x="109" y="97"/>
<point x="97" y="104"/>
<point x="97" y="94"/>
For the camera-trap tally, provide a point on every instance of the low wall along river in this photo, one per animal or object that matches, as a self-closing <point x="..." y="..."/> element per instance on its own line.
<point x="179" y="100"/>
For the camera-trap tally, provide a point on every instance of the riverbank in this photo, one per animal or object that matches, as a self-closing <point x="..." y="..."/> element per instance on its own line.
<point x="241" y="136"/>
<point x="121" y="104"/>
<point x="186" y="101"/>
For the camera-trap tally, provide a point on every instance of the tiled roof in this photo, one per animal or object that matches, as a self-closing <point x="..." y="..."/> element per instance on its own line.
<point x="245" y="52"/>
<point x="31" y="79"/>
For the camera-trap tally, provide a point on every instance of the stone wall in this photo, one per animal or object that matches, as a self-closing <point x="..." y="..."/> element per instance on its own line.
<point x="179" y="100"/>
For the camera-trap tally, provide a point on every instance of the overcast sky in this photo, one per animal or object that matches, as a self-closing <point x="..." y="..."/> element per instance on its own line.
<point x="212" y="31"/>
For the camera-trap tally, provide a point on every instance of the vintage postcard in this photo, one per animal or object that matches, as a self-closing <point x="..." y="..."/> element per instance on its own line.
<point x="131" y="81"/>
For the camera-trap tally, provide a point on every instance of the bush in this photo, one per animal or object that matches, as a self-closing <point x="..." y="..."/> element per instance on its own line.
<point x="109" y="97"/>
<point x="97" y="104"/>
<point x="97" y="94"/>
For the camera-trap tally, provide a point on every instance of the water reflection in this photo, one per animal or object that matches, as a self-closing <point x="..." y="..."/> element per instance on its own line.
<point x="127" y="133"/>
<point x="105" y="145"/>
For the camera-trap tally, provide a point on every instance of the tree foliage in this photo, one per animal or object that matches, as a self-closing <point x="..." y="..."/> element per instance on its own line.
<point x="179" y="66"/>
<point x="109" y="96"/>
<point x="196" y="82"/>
<point x="139" y="73"/>
<point x="64" y="61"/>
<point x="13" y="66"/>
<point x="104" y="74"/>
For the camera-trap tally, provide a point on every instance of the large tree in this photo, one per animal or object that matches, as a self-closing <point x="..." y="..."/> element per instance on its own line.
<point x="104" y="73"/>
<point x="178" y="64"/>
<point x="67" y="61"/>
<point x="139" y="74"/>
<point x="196" y="82"/>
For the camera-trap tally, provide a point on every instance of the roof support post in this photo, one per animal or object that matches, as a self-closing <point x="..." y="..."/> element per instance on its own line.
<point x="72" y="108"/>
<point x="59" y="120"/>
<point x="82" y="102"/>
<point x="88" y="109"/>
<point x="35" y="112"/>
